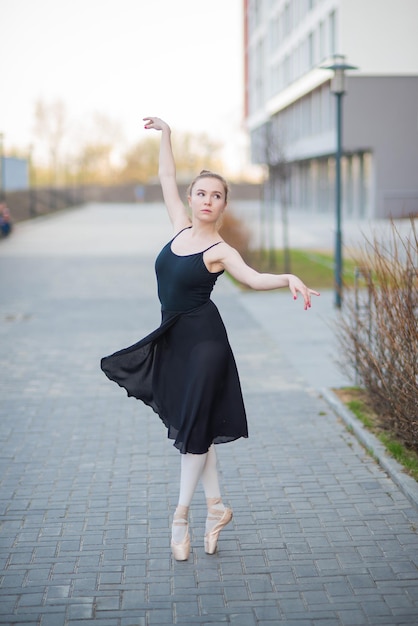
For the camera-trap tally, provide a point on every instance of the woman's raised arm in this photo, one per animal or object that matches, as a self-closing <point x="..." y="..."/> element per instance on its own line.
<point x="167" y="175"/>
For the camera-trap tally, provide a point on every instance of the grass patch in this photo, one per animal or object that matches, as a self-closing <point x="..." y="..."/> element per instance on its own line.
<point x="407" y="458"/>
<point x="358" y="408"/>
<point x="355" y="399"/>
<point x="316" y="269"/>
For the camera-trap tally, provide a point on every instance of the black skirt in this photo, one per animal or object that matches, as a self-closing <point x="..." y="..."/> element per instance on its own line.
<point x="185" y="370"/>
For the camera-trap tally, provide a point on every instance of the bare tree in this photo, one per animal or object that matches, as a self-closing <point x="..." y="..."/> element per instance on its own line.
<point x="278" y="181"/>
<point x="141" y="161"/>
<point x="195" y="152"/>
<point x="281" y="173"/>
<point x="50" y="128"/>
<point x="95" y="157"/>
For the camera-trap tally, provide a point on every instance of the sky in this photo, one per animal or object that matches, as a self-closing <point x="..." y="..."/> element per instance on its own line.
<point x="181" y="60"/>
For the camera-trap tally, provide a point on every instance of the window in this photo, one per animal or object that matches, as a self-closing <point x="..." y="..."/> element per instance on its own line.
<point x="287" y="26"/>
<point x="322" y="42"/>
<point x="311" y="50"/>
<point x="258" y="75"/>
<point x="333" y="33"/>
<point x="257" y="11"/>
<point x="365" y="175"/>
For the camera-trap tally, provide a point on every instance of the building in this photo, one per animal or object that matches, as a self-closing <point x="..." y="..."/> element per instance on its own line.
<point x="14" y="174"/>
<point x="290" y="110"/>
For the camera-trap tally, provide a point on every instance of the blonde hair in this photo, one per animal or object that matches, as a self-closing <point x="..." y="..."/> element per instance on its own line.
<point x="209" y="174"/>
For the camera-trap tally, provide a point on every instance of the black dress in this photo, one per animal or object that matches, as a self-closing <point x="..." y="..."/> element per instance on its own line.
<point x="185" y="369"/>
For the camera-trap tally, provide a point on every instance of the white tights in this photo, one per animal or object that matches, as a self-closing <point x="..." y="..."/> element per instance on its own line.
<point x="195" y="467"/>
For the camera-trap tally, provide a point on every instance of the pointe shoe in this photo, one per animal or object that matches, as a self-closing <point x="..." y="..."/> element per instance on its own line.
<point x="211" y="537"/>
<point x="181" y="549"/>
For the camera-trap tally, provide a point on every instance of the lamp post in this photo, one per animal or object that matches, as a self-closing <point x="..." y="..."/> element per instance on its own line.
<point x="339" y="68"/>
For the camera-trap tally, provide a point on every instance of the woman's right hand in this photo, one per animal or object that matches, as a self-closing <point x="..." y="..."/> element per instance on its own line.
<point x="156" y="123"/>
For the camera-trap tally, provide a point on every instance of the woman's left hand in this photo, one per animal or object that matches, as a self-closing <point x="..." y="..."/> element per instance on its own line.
<point x="296" y="285"/>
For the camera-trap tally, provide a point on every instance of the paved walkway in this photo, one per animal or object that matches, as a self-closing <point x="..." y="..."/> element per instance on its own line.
<point x="88" y="482"/>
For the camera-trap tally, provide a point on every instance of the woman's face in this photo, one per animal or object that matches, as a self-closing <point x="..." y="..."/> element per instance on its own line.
<point x="207" y="199"/>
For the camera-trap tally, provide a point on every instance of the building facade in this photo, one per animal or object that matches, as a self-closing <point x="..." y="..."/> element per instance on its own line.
<point x="290" y="110"/>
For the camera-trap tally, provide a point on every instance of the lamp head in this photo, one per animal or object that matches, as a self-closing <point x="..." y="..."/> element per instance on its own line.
<point x="339" y="67"/>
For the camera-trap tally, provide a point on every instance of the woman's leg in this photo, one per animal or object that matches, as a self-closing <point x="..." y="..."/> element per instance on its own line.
<point x="192" y="466"/>
<point x="218" y="515"/>
<point x="210" y="482"/>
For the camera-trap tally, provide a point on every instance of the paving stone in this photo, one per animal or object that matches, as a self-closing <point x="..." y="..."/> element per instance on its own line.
<point x="88" y="481"/>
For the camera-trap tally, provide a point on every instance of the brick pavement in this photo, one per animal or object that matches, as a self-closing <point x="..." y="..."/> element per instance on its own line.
<point x="321" y="535"/>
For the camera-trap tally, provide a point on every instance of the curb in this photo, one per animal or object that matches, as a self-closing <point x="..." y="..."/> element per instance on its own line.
<point x="406" y="484"/>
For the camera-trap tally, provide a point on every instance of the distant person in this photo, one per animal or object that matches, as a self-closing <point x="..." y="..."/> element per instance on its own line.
<point x="140" y="193"/>
<point x="5" y="220"/>
<point x="185" y="370"/>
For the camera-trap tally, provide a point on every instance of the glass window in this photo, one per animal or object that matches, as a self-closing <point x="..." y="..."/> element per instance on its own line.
<point x="311" y="50"/>
<point x="322" y="42"/>
<point x="347" y="185"/>
<point x="287" y="19"/>
<point x="365" y="178"/>
<point x="333" y="44"/>
<point x="258" y="11"/>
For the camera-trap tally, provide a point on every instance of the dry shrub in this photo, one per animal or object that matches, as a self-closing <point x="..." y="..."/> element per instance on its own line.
<point x="235" y="233"/>
<point x="378" y="331"/>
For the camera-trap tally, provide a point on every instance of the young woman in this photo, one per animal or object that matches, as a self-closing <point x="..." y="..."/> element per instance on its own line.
<point x="185" y="370"/>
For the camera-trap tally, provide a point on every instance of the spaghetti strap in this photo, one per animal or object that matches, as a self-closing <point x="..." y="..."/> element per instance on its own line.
<point x="203" y="251"/>
<point x="180" y="231"/>
<point x="212" y="246"/>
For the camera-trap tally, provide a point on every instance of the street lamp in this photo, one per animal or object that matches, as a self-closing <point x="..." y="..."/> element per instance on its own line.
<point x="339" y="68"/>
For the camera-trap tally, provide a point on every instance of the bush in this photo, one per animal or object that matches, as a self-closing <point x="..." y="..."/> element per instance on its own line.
<point x="378" y="331"/>
<point x="235" y="233"/>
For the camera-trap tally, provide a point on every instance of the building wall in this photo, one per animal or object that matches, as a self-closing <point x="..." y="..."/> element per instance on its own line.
<point x="289" y="102"/>
<point x="380" y="36"/>
<point x="381" y="117"/>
